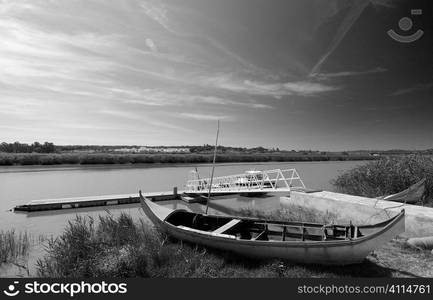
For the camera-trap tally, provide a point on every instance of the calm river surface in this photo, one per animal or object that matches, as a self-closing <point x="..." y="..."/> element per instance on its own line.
<point x="19" y="185"/>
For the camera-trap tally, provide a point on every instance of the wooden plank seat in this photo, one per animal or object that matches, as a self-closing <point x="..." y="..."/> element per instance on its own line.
<point x="261" y="236"/>
<point x="207" y="232"/>
<point x="227" y="226"/>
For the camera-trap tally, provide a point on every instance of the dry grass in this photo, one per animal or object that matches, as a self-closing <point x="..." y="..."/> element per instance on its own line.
<point x="120" y="247"/>
<point x="13" y="246"/>
<point x="402" y="260"/>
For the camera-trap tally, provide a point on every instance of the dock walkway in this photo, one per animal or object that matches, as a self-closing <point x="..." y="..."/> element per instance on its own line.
<point x="250" y="183"/>
<point x="90" y="201"/>
<point x="108" y="200"/>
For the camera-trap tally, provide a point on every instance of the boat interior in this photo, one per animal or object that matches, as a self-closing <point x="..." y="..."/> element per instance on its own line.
<point x="263" y="230"/>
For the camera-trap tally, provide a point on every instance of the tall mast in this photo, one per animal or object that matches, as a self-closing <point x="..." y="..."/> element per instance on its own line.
<point x="213" y="167"/>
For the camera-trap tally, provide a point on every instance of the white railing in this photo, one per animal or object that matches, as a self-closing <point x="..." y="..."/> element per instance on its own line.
<point x="269" y="180"/>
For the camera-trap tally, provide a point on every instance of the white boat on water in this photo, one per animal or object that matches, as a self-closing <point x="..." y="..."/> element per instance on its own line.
<point x="255" y="178"/>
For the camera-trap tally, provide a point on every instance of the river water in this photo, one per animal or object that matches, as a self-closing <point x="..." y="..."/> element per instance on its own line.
<point x="18" y="185"/>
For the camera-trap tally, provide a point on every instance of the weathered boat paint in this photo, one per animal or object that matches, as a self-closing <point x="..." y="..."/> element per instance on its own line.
<point x="344" y="252"/>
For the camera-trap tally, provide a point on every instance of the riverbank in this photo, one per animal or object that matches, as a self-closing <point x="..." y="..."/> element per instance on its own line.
<point x="123" y="257"/>
<point x="120" y="247"/>
<point x="125" y="246"/>
<point x="26" y="159"/>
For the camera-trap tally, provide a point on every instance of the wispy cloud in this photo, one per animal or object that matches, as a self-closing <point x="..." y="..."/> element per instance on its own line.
<point x="206" y="117"/>
<point x="414" y="89"/>
<point x="355" y="10"/>
<point x="161" y="14"/>
<point x="158" y="12"/>
<point x="384" y="3"/>
<point x="348" y="73"/>
<point x="157" y="97"/>
<point x="262" y="106"/>
<point x="145" y="71"/>
<point x="120" y="114"/>
<point x="112" y="78"/>
<point x="143" y="118"/>
<point x="151" y="44"/>
<point x="277" y="90"/>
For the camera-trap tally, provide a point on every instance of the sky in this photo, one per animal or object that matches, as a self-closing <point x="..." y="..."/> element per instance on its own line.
<point x="293" y="74"/>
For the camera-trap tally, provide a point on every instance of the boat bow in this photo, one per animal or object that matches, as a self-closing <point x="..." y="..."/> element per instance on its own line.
<point x="154" y="210"/>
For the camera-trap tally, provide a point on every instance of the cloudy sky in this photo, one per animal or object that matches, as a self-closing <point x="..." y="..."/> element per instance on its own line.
<point x="294" y="74"/>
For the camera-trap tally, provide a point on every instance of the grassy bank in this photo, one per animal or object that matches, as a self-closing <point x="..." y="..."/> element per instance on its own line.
<point x="120" y="247"/>
<point x="388" y="176"/>
<point x="9" y="159"/>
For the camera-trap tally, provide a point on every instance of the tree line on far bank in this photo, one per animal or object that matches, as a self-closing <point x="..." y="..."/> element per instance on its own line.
<point x="49" y="147"/>
<point x="9" y="159"/>
<point x="36" y="147"/>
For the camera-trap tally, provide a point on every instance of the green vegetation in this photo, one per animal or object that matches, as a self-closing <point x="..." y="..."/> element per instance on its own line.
<point x="120" y="247"/>
<point x="9" y="159"/>
<point x="388" y="176"/>
<point x="18" y="147"/>
<point x="13" y="246"/>
<point x="49" y="154"/>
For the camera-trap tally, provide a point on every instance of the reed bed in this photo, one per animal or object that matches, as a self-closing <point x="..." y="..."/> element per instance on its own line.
<point x="388" y="176"/>
<point x="13" y="246"/>
<point x="9" y="159"/>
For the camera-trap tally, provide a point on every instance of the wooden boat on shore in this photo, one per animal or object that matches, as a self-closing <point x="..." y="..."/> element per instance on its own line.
<point x="412" y="194"/>
<point x="259" y="238"/>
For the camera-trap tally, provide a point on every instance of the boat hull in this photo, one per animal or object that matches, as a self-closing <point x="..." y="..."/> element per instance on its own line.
<point x="411" y="195"/>
<point x="309" y="252"/>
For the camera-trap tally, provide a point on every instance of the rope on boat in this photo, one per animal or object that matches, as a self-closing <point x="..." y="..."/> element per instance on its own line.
<point x="383" y="210"/>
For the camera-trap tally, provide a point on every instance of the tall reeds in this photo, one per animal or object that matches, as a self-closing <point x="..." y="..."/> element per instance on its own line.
<point x="388" y="176"/>
<point x="9" y="159"/>
<point x="13" y="246"/>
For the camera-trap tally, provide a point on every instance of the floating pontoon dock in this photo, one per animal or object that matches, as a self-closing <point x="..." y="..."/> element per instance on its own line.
<point x="108" y="200"/>
<point x="80" y="202"/>
<point x="250" y="183"/>
<point x="92" y="201"/>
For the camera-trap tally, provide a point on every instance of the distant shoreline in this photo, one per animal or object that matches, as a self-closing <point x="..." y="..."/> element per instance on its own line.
<point x="69" y="167"/>
<point x="88" y="159"/>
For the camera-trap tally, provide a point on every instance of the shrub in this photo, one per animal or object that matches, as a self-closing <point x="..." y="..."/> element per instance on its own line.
<point x="387" y="176"/>
<point x="7" y="159"/>
<point x="29" y="159"/>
